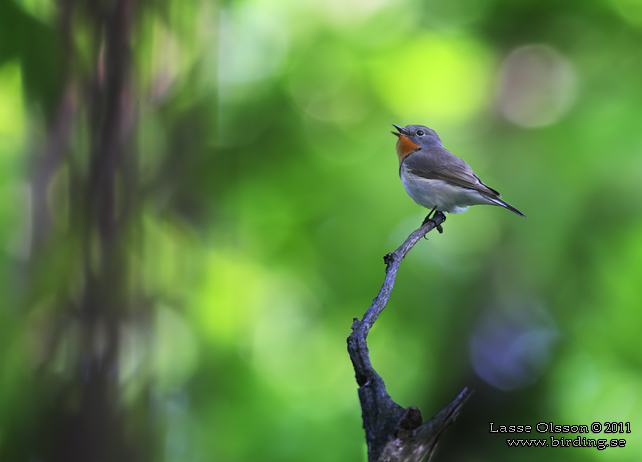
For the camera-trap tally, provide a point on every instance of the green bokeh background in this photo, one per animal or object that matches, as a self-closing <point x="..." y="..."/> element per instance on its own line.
<point x="261" y="129"/>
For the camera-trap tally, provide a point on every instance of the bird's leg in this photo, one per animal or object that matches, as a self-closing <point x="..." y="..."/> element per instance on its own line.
<point x="439" y="228"/>
<point x="427" y="219"/>
<point x="430" y="217"/>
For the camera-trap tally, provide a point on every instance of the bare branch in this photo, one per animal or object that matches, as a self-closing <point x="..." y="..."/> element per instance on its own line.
<point x="394" y="434"/>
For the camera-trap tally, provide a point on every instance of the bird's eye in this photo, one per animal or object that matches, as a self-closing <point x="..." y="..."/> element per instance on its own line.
<point x="420" y="133"/>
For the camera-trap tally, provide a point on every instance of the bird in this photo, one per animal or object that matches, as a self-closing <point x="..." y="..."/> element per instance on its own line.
<point x="437" y="179"/>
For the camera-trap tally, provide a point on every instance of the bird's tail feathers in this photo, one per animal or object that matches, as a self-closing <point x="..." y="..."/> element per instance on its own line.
<point x="505" y="204"/>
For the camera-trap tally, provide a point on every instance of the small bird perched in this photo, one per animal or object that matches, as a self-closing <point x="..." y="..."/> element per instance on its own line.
<point x="435" y="178"/>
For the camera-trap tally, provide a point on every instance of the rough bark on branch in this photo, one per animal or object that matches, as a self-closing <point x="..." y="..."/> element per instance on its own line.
<point x="394" y="434"/>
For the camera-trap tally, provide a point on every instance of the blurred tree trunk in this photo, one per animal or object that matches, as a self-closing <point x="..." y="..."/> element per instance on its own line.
<point x="85" y="418"/>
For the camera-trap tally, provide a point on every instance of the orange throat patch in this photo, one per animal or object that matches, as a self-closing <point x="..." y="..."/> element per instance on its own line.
<point x="405" y="146"/>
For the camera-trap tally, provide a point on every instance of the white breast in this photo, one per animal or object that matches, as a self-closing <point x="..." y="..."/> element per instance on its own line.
<point x="438" y="193"/>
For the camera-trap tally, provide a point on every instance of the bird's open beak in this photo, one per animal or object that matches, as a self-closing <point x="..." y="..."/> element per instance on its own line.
<point x="401" y="130"/>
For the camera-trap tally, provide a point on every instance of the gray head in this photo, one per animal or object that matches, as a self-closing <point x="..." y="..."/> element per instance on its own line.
<point x="419" y="135"/>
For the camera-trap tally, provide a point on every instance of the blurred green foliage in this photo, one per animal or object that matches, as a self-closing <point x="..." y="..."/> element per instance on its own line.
<point x="267" y="193"/>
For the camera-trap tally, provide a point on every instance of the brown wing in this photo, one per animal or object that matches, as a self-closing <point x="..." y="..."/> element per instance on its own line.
<point x="439" y="164"/>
